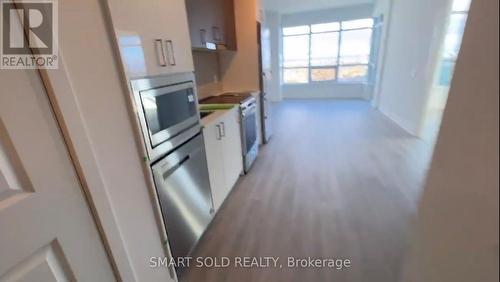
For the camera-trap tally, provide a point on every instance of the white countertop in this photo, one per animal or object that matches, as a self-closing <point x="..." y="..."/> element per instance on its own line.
<point x="214" y="116"/>
<point x="251" y="92"/>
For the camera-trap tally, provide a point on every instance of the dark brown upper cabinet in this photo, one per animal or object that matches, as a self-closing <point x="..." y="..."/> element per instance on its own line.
<point x="211" y="24"/>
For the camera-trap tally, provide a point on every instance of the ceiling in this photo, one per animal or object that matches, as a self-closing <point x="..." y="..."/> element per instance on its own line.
<point x="293" y="6"/>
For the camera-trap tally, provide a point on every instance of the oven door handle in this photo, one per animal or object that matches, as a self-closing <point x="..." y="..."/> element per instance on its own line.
<point x="249" y="111"/>
<point x="173" y="167"/>
<point x="171" y="163"/>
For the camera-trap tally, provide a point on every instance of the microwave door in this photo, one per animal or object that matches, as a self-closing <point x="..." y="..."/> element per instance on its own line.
<point x="168" y="111"/>
<point x="150" y="112"/>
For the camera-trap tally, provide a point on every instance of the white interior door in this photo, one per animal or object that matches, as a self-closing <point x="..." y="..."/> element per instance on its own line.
<point x="265" y="48"/>
<point x="267" y="81"/>
<point x="47" y="231"/>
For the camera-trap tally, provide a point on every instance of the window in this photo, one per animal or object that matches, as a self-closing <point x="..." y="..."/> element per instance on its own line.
<point x="336" y="51"/>
<point x="453" y="40"/>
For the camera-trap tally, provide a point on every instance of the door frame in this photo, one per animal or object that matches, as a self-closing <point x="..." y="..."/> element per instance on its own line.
<point x="378" y="76"/>
<point x="64" y="105"/>
<point x="68" y="116"/>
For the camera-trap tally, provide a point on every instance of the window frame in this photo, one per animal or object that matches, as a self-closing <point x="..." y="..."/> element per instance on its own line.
<point x="439" y="74"/>
<point x="336" y="66"/>
<point x="308" y="66"/>
<point x="461" y="12"/>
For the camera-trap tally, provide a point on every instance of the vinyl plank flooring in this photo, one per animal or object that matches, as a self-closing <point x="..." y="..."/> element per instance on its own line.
<point x="337" y="180"/>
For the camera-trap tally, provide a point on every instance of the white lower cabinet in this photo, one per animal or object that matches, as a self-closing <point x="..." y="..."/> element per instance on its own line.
<point x="224" y="156"/>
<point x="214" y="150"/>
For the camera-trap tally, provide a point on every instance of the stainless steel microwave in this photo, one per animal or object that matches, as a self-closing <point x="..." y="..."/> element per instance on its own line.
<point x="167" y="111"/>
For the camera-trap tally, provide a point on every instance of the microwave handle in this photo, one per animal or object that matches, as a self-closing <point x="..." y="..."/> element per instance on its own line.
<point x="174" y="166"/>
<point x="160" y="52"/>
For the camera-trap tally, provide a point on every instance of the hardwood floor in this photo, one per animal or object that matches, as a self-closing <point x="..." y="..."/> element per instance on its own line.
<point x="337" y="180"/>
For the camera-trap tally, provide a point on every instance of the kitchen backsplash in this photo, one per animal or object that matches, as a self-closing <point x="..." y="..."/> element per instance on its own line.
<point x="206" y="65"/>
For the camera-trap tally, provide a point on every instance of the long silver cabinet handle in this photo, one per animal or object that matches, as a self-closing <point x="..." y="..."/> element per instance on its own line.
<point x="215" y="33"/>
<point x="203" y="36"/>
<point x="219" y="132"/>
<point x="170" y="52"/>
<point x="223" y="133"/>
<point x="160" y="52"/>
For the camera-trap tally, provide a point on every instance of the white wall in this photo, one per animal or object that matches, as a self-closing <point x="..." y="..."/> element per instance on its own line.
<point x="207" y="72"/>
<point x="327" y="15"/>
<point x="326" y="89"/>
<point x="414" y="35"/>
<point x="294" y="6"/>
<point x="456" y="237"/>
<point x="240" y="69"/>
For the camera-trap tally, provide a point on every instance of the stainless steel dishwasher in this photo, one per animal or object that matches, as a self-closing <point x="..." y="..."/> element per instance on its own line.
<point x="184" y="194"/>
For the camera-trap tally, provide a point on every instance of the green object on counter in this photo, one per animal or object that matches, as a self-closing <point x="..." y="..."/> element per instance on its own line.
<point x="214" y="107"/>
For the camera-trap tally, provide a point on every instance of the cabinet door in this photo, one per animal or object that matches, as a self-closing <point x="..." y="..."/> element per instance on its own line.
<point x="233" y="158"/>
<point x="218" y="25"/>
<point x="152" y="36"/>
<point x="211" y="21"/>
<point x="135" y="26"/>
<point x="228" y="25"/>
<point x="173" y="28"/>
<point x="195" y="21"/>
<point x="214" y="150"/>
<point x="201" y="17"/>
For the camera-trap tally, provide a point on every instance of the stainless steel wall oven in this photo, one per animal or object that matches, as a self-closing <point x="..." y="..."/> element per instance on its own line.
<point x="167" y="109"/>
<point x="250" y="143"/>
